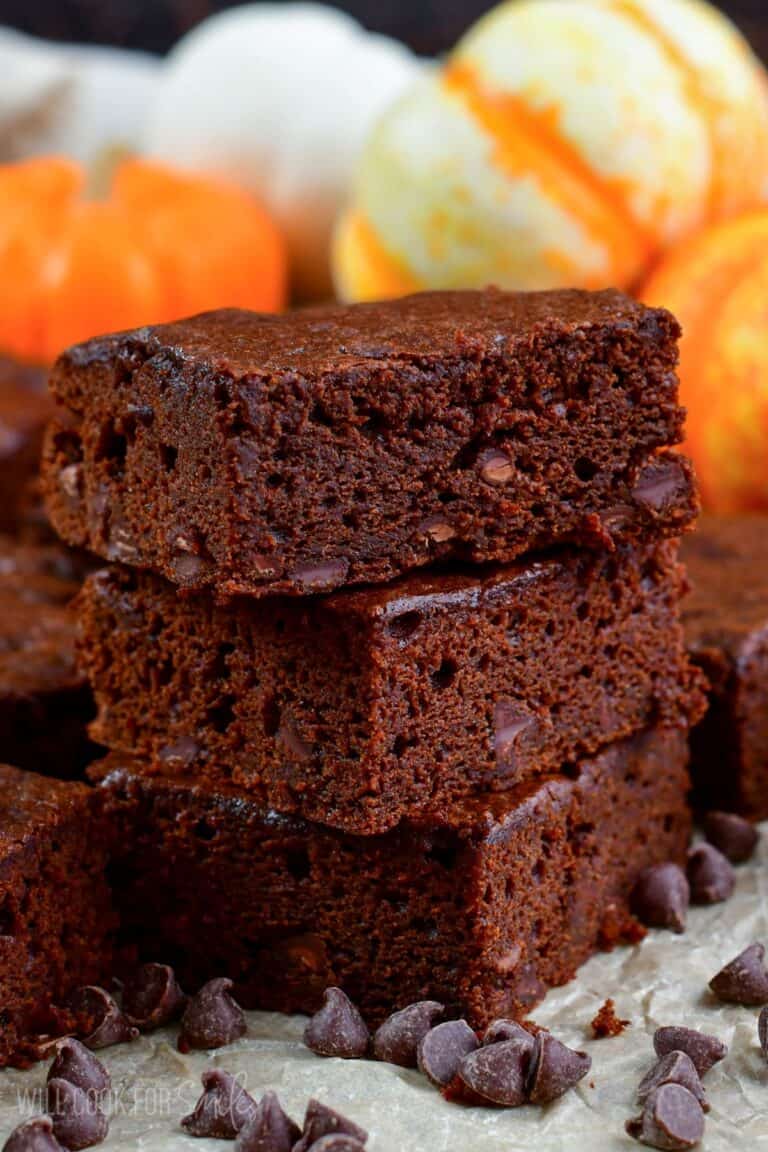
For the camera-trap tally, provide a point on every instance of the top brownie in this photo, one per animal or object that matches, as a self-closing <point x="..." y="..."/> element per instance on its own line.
<point x="347" y="445"/>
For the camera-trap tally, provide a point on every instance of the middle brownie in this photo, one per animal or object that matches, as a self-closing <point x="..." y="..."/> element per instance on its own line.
<point x="365" y="706"/>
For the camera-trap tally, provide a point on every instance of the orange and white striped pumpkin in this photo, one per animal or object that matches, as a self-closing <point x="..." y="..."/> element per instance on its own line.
<point x="563" y="142"/>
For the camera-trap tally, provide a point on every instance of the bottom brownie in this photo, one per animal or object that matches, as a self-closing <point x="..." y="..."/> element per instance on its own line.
<point x="56" y="919"/>
<point x="726" y="626"/>
<point x="483" y="907"/>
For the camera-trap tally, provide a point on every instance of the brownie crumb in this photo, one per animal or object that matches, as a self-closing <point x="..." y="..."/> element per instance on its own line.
<point x="607" y="1023"/>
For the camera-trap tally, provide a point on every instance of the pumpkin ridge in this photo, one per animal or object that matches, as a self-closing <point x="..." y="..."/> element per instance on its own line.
<point x="520" y="131"/>
<point x="707" y="107"/>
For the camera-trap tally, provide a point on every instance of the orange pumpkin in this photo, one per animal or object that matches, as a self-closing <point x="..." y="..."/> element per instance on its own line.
<point x="716" y="283"/>
<point x="163" y="244"/>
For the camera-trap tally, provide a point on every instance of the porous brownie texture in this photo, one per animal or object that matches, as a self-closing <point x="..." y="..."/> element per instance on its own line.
<point x="25" y="408"/>
<point x="726" y="625"/>
<point x="56" y="918"/>
<point x="365" y="706"/>
<point x="45" y="701"/>
<point x="348" y="445"/>
<point x="483" y="906"/>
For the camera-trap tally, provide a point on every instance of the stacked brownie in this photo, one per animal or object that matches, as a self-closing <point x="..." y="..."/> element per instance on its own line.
<point x="45" y="701"/>
<point x="56" y="915"/>
<point x="388" y="657"/>
<point x="726" y="624"/>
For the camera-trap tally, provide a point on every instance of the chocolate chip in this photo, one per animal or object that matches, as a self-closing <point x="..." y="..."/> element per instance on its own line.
<point x="75" y="1063"/>
<point x="269" y="1129"/>
<point x="222" y="1110"/>
<point x="674" y="1068"/>
<point x="320" y="577"/>
<point x="509" y="721"/>
<point x="705" y="1051"/>
<point x="710" y="876"/>
<point x="178" y="756"/>
<point x="671" y="1119"/>
<point x="661" y="896"/>
<point x="212" y="1018"/>
<point x="99" y="1019"/>
<point x="495" y="467"/>
<point x="438" y="529"/>
<point x="35" y="1135"/>
<point x="397" y="1039"/>
<point x="442" y="1050"/>
<point x="298" y="748"/>
<point x="337" y="1029"/>
<point x="499" y="1072"/>
<point x="555" y="1068"/>
<point x="762" y="1031"/>
<point x="500" y="1030"/>
<point x="319" y="1121"/>
<point x="337" y="1143"/>
<point x="152" y="997"/>
<point x="658" y="484"/>
<point x="78" y="1121"/>
<point x="732" y="835"/>
<point x="744" y="980"/>
<point x="188" y="567"/>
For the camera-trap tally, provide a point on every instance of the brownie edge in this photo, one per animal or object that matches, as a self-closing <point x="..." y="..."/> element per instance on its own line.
<point x="348" y="445"/>
<point x="56" y="917"/>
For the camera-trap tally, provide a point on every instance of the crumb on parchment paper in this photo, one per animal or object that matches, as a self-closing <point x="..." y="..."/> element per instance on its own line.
<point x="607" y="1023"/>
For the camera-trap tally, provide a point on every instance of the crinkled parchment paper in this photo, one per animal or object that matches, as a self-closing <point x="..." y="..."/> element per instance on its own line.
<point x="662" y="981"/>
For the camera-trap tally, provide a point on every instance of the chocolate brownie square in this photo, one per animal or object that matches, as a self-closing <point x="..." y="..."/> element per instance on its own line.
<point x="726" y="625"/>
<point x="365" y="706"/>
<point x="56" y="918"/>
<point x="348" y="445"/>
<point x="45" y="702"/>
<point x="25" y="408"/>
<point x="482" y="905"/>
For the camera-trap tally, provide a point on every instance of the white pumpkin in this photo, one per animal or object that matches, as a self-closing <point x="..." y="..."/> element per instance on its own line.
<point x="75" y="100"/>
<point x="281" y="97"/>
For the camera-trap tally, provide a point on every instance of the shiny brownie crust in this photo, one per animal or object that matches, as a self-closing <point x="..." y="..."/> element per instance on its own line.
<point x="45" y="701"/>
<point x="366" y="706"/>
<point x="56" y="919"/>
<point x="726" y="625"/>
<point x="348" y="445"/>
<point x="482" y="906"/>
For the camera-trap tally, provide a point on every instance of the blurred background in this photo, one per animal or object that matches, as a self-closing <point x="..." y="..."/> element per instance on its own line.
<point x="429" y="26"/>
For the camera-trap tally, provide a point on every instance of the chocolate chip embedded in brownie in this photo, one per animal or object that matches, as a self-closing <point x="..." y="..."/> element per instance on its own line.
<point x="25" y="408"/>
<point x="348" y="445"/>
<point x="56" y="921"/>
<point x="45" y="703"/>
<point x="726" y="625"/>
<point x="481" y="907"/>
<point x="365" y="706"/>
